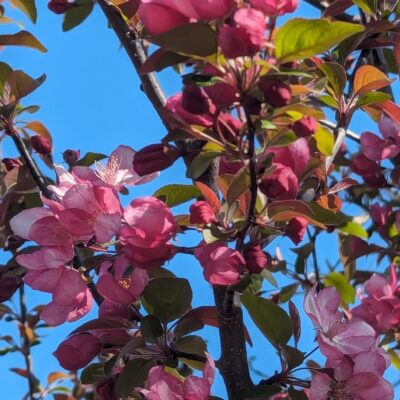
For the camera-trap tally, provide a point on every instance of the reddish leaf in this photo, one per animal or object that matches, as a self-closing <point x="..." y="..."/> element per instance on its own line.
<point x="342" y="185"/>
<point x="102" y="323"/>
<point x="337" y="7"/>
<point x="20" y="372"/>
<point x="210" y="197"/>
<point x="368" y="78"/>
<point x="391" y="109"/>
<point x="55" y="376"/>
<point x="295" y="317"/>
<point x="396" y="50"/>
<point x="209" y="316"/>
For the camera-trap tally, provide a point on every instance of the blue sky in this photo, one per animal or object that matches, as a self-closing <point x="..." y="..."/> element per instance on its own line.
<point x="91" y="101"/>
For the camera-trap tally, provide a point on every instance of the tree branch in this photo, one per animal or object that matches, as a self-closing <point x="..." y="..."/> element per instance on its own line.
<point x="137" y="55"/>
<point x="30" y="163"/>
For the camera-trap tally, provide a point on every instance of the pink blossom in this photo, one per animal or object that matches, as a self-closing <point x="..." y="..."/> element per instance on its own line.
<point x="77" y="351"/>
<point x="116" y="173"/>
<point x="206" y="9"/>
<point x="174" y="105"/>
<point x="352" y="380"/>
<point x="281" y="184"/>
<point x="150" y="222"/>
<point x="377" y="149"/>
<point x="296" y="229"/>
<point x="336" y="336"/>
<point x="162" y="386"/>
<point x="381" y="308"/>
<point x="91" y="210"/>
<point x="295" y="156"/>
<point x="256" y="259"/>
<point x="221" y="264"/>
<point x="275" y="7"/>
<point x="160" y="16"/>
<point x="201" y="213"/>
<point x="246" y="37"/>
<point x="149" y="227"/>
<point x="369" y="170"/>
<point x="119" y="282"/>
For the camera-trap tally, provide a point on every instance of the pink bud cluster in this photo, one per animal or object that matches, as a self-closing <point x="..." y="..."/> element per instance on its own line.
<point x="351" y="347"/>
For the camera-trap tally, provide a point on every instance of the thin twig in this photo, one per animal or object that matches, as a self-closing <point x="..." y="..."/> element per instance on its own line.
<point x="29" y="161"/>
<point x="312" y="239"/>
<point x="331" y="125"/>
<point x="26" y="347"/>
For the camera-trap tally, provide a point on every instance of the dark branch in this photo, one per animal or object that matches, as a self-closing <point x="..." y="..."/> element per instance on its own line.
<point x="137" y="55"/>
<point x="233" y="363"/>
<point x="29" y="161"/>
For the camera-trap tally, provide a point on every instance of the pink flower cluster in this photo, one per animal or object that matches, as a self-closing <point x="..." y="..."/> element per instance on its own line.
<point x="161" y="385"/>
<point x="88" y="213"/>
<point x="352" y="351"/>
<point x="242" y="31"/>
<point x="376" y="148"/>
<point x="381" y="308"/>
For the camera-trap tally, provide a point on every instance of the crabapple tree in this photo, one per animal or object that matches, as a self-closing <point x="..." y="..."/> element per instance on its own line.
<point x="262" y="124"/>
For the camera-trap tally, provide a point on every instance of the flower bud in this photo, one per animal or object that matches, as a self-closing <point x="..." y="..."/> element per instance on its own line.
<point x="256" y="259"/>
<point x="71" y="156"/>
<point x="305" y="126"/>
<point x="77" y="351"/>
<point x="11" y="163"/>
<point x="59" y="6"/>
<point x="276" y="93"/>
<point x="275" y="7"/>
<point x="282" y="184"/>
<point x="295" y="229"/>
<point x="194" y="100"/>
<point x="201" y="213"/>
<point x="246" y="37"/>
<point x="153" y="158"/>
<point x="41" y="144"/>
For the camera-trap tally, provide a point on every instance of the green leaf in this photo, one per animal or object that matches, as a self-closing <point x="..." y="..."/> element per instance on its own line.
<point x="22" y="38"/>
<point x="89" y="159"/>
<point x="336" y="75"/>
<point x="296" y="394"/>
<point x="92" y="374"/>
<point x="288" y="292"/>
<point x="150" y="327"/>
<point x="337" y="280"/>
<point x="355" y="229"/>
<point x="74" y="16"/>
<point x="301" y="38"/>
<point x="329" y="101"/>
<point x="173" y="195"/>
<point x="368" y="6"/>
<point x="372" y="98"/>
<point x="200" y="163"/>
<point x="324" y="140"/>
<point x="192" y="344"/>
<point x="272" y="320"/>
<point x="133" y="375"/>
<point x="167" y="298"/>
<point x="28" y="7"/>
<point x="197" y="39"/>
<point x="188" y="325"/>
